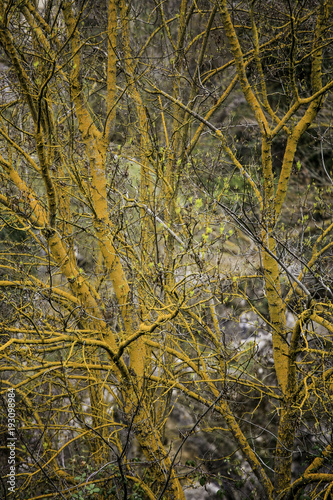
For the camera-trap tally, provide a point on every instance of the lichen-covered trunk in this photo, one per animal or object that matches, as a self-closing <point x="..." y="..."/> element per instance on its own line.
<point x="139" y="415"/>
<point x="284" y="447"/>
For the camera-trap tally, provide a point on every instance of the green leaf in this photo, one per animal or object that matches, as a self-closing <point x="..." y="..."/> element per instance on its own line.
<point x="203" y="480"/>
<point x="198" y="203"/>
<point x="190" y="463"/>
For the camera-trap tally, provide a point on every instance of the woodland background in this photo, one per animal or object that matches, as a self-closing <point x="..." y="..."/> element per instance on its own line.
<point x="166" y="248"/>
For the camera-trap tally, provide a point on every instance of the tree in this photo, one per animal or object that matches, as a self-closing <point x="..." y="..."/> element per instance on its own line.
<point x="152" y="160"/>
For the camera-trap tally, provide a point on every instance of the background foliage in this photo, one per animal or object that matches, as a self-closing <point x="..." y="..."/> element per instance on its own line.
<point x="166" y="249"/>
